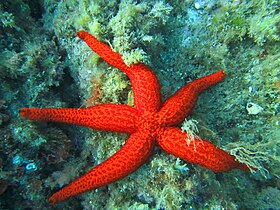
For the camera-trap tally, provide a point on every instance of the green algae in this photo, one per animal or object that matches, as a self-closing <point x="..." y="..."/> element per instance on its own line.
<point x="49" y="66"/>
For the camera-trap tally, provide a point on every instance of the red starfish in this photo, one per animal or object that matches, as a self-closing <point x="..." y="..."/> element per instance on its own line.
<point x="150" y="122"/>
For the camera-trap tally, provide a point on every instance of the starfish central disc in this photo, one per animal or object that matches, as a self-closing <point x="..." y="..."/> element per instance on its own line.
<point x="151" y="125"/>
<point x="148" y="121"/>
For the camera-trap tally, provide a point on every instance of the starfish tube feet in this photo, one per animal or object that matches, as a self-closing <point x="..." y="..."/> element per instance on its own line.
<point x="131" y="156"/>
<point x="109" y="117"/>
<point x="199" y="151"/>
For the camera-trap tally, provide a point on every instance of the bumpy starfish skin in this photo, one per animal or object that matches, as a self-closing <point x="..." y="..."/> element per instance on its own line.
<point x="149" y="122"/>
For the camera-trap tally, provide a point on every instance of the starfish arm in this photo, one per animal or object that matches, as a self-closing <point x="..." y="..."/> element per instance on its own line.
<point x="131" y="156"/>
<point x="199" y="151"/>
<point x="145" y="85"/>
<point x="146" y="88"/>
<point x="110" y="117"/>
<point x="180" y="105"/>
<point x="104" y="51"/>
